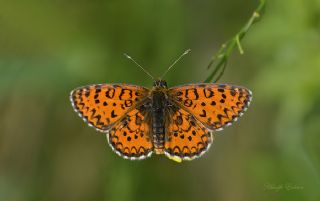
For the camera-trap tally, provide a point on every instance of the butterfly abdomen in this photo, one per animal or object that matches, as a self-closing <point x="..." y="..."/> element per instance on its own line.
<point x="158" y="127"/>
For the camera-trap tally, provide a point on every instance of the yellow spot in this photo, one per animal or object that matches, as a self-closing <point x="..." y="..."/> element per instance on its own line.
<point x="175" y="158"/>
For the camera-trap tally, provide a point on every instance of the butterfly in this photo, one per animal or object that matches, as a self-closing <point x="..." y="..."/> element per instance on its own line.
<point x="177" y="121"/>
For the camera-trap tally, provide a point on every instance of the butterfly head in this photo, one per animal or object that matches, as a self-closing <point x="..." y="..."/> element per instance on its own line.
<point x="160" y="84"/>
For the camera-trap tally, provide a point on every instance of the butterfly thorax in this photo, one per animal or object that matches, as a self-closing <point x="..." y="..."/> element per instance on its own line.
<point x="159" y="103"/>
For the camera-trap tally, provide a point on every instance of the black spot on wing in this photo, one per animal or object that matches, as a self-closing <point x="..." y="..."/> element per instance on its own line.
<point x="113" y="115"/>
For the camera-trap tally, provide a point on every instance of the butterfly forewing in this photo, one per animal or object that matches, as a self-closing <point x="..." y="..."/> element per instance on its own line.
<point x="102" y="105"/>
<point x="215" y="105"/>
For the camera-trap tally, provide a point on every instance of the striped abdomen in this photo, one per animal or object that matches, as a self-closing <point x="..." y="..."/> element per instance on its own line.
<point x="158" y="127"/>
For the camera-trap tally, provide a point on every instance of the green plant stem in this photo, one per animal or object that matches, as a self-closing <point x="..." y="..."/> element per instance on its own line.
<point x="220" y="59"/>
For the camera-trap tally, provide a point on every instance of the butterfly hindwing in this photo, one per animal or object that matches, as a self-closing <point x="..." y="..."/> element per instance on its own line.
<point x="186" y="137"/>
<point x="215" y="105"/>
<point x="102" y="105"/>
<point x="130" y="137"/>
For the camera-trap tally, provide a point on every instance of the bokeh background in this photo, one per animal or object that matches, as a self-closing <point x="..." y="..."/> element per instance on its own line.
<point x="47" y="48"/>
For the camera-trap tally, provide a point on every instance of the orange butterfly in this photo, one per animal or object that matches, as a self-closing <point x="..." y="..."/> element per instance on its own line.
<point x="177" y="122"/>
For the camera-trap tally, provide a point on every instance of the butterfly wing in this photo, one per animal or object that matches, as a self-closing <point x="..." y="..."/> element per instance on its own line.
<point x="130" y="137"/>
<point x="120" y="111"/>
<point x="186" y="138"/>
<point x="214" y="105"/>
<point x="104" y="104"/>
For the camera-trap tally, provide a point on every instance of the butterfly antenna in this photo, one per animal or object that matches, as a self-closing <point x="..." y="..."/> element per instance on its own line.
<point x="144" y="70"/>
<point x="185" y="52"/>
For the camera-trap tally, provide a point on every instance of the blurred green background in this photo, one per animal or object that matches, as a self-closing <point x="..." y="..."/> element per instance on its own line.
<point x="47" y="48"/>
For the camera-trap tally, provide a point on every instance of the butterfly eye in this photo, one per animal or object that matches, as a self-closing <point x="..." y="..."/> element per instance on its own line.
<point x="160" y="83"/>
